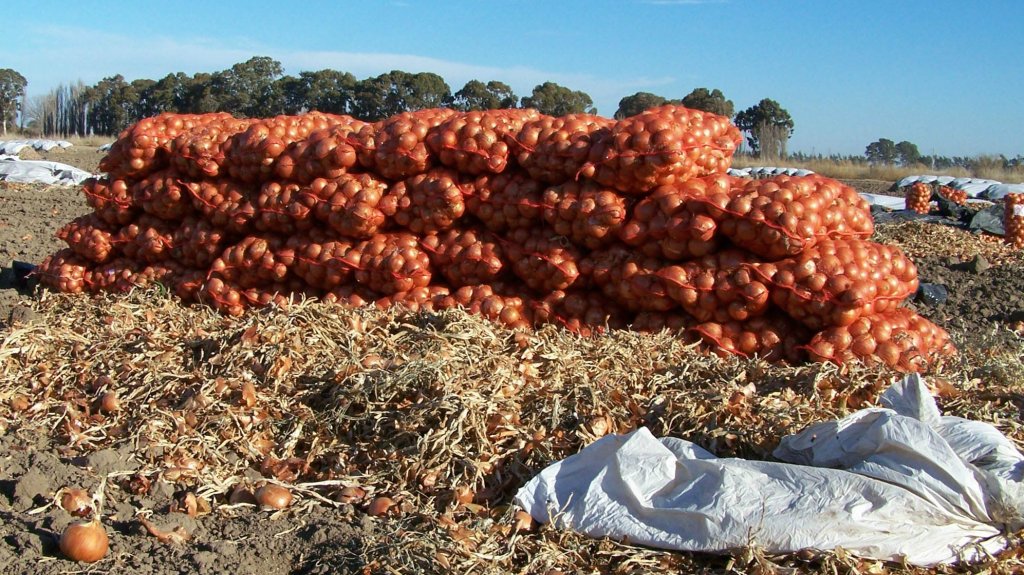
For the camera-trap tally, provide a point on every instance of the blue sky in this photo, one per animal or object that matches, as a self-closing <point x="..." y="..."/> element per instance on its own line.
<point x="947" y="75"/>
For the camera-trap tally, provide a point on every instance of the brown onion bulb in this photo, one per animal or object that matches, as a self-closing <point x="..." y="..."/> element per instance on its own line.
<point x="86" y="542"/>
<point x="271" y="496"/>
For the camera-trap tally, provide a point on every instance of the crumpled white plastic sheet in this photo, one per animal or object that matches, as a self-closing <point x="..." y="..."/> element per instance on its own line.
<point x="900" y="482"/>
<point x="14" y="169"/>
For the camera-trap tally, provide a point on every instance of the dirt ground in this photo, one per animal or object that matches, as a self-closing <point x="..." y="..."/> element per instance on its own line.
<point x="311" y="538"/>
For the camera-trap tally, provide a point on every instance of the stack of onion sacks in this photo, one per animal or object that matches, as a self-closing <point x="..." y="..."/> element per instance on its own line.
<point x="580" y="221"/>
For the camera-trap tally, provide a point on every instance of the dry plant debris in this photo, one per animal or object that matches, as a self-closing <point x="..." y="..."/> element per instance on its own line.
<point x="444" y="414"/>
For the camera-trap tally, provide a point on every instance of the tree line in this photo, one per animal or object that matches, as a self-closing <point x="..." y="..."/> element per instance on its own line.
<point x="258" y="87"/>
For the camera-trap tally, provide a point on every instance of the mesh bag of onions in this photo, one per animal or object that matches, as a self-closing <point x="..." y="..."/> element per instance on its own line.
<point x="919" y="196"/>
<point x="580" y="221"/>
<point x="1013" y="220"/>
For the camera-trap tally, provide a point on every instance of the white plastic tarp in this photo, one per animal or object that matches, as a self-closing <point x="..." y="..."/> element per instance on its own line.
<point x="907" y="181"/>
<point x="999" y="191"/>
<point x="889" y="202"/>
<point x="899" y="482"/>
<point x="43" y="145"/>
<point x="975" y="189"/>
<point x="13" y="169"/>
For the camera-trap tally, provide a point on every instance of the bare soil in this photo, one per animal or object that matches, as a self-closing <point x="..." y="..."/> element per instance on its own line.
<point x="311" y="538"/>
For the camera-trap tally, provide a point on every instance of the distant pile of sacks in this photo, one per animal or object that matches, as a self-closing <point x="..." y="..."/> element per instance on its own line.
<point x="527" y="219"/>
<point x="979" y="188"/>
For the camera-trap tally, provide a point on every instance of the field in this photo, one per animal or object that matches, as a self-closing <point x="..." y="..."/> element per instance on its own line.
<point x="444" y="414"/>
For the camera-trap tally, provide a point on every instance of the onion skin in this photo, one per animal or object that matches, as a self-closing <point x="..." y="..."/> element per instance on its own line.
<point x="76" y="502"/>
<point x="86" y="542"/>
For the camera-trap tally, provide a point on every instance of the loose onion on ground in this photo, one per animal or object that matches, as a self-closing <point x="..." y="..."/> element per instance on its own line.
<point x="272" y="496"/>
<point x="86" y="542"/>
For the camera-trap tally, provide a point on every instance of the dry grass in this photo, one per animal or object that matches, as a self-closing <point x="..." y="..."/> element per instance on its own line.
<point x="446" y="413"/>
<point x="847" y="170"/>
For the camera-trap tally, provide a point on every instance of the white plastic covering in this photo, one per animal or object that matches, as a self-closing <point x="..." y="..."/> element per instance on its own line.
<point x="975" y="189"/>
<point x="944" y="180"/>
<point x="889" y="202"/>
<point x="14" y="147"/>
<point x="899" y="482"/>
<point x="767" y="172"/>
<point x="999" y="191"/>
<point x="14" y="169"/>
<point x="907" y="181"/>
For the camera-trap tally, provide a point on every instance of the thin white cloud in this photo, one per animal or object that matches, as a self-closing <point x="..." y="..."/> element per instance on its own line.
<point x="73" y="53"/>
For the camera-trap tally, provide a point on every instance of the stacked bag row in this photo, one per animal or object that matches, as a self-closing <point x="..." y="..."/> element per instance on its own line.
<point x="527" y="219"/>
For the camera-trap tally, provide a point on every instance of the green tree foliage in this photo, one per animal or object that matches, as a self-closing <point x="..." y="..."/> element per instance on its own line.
<point x="633" y="105"/>
<point x="396" y="92"/>
<point x="146" y="105"/>
<point x="554" y="100"/>
<point x="201" y="97"/>
<point x="170" y="93"/>
<point x="12" y="89"/>
<point x="882" y="151"/>
<point x="709" y="101"/>
<point x="113" y="105"/>
<point x="328" y="91"/>
<point x="768" y="126"/>
<point x="908" y="153"/>
<point x="476" y="95"/>
<point x="248" y="88"/>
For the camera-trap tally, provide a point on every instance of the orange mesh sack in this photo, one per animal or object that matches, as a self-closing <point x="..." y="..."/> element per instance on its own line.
<point x="784" y="215"/>
<point x="673" y="221"/>
<point x="392" y="263"/>
<point x="580" y="311"/>
<point x="919" y="196"/>
<point x="252" y="262"/>
<point x="899" y="339"/>
<point x="147" y="239"/>
<point x="720" y="287"/>
<point x="325" y="153"/>
<point x="111" y="200"/>
<point x="161" y="194"/>
<point x="466" y="256"/>
<point x="89" y="237"/>
<point x="838" y="281"/>
<point x="1013" y="220"/>
<point x="429" y="202"/>
<point x="774" y="337"/>
<point x="321" y="263"/>
<point x="64" y="271"/>
<point x="225" y="204"/>
<point x="484" y="300"/>
<point x="556" y="149"/>
<point x="199" y="152"/>
<point x="586" y="213"/>
<point x="396" y="148"/>
<point x="663" y="146"/>
<point x="507" y="201"/>
<point x="250" y="154"/>
<point x="475" y="143"/>
<point x="627" y="278"/>
<point x="144" y="147"/>
<point x="351" y="204"/>
<point x="196" y="243"/>
<point x="544" y="261"/>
